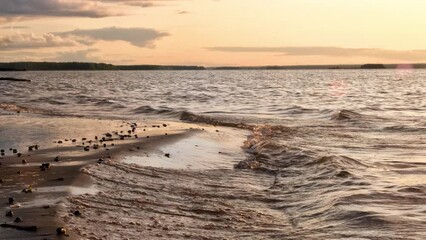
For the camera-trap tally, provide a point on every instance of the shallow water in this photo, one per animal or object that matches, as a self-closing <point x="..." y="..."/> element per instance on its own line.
<point x="337" y="153"/>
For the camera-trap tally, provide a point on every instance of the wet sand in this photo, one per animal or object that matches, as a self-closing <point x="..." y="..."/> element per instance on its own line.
<point x="45" y="205"/>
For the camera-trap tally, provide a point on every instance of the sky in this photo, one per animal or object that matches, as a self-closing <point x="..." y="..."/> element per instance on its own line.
<point x="214" y="32"/>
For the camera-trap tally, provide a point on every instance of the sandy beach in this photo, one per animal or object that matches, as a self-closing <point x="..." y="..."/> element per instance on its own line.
<point x="47" y="182"/>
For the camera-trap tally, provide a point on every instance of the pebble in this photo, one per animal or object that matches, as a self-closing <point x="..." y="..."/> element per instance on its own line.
<point x="61" y="231"/>
<point x="18" y="220"/>
<point x="9" y="214"/>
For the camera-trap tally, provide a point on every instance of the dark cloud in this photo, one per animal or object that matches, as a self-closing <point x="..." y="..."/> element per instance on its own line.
<point x="140" y="37"/>
<point x="405" y="55"/>
<point x="58" y="8"/>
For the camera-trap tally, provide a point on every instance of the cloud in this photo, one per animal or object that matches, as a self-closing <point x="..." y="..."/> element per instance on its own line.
<point x="141" y="3"/>
<point x="404" y="55"/>
<point x="140" y="37"/>
<point x="31" y="41"/>
<point x="57" y="8"/>
<point x="15" y="27"/>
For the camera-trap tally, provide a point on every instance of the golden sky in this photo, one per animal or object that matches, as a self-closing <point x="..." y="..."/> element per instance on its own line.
<point x="214" y="32"/>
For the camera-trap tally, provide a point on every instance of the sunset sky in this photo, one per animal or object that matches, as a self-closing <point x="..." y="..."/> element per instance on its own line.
<point x="214" y="32"/>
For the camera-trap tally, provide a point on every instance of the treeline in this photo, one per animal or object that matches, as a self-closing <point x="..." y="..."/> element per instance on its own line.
<point x="62" y="66"/>
<point x="81" y="66"/>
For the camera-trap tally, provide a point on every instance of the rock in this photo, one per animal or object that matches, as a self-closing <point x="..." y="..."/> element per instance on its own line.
<point x="14" y="150"/>
<point x="77" y="213"/>
<point x="57" y="159"/>
<point x="18" y="220"/>
<point x="167" y="155"/>
<point x="24" y="161"/>
<point x="87" y="148"/>
<point x="61" y="231"/>
<point x="9" y="214"/>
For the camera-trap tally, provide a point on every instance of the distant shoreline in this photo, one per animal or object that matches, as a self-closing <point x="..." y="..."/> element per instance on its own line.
<point x="84" y="66"/>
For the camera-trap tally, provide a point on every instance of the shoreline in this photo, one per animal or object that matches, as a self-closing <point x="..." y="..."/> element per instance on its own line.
<point x="44" y="203"/>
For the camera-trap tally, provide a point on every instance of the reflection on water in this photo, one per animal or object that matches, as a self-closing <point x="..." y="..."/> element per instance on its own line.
<point x="343" y="151"/>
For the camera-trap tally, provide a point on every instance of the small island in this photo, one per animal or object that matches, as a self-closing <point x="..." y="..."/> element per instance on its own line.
<point x="373" y="66"/>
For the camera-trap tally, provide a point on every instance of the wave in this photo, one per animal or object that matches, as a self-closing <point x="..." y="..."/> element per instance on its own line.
<point x="109" y="103"/>
<point x="346" y="115"/>
<point x="187" y="116"/>
<point x="11" y="107"/>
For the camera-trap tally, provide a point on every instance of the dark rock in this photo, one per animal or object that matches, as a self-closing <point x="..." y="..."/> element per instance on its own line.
<point x="24" y="161"/>
<point x="77" y="213"/>
<point x="59" y="142"/>
<point x="57" y="159"/>
<point x="19" y="154"/>
<point x="167" y="155"/>
<point x="87" y="148"/>
<point x="9" y="214"/>
<point x="61" y="231"/>
<point x="18" y="220"/>
<point x="14" y="150"/>
<point x="11" y="200"/>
